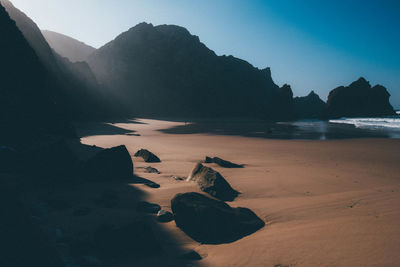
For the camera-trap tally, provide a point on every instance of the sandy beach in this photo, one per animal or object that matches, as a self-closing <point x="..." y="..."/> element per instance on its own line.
<point x="325" y="203"/>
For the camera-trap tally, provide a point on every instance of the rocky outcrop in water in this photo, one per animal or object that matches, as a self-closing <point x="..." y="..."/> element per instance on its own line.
<point x="309" y="107"/>
<point x="358" y="99"/>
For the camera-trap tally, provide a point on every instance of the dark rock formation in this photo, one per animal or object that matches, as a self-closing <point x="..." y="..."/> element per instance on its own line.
<point x="309" y="107"/>
<point x="133" y="240"/>
<point x="164" y="216"/>
<point x="212" y="182"/>
<point x="147" y="207"/>
<point x="191" y="255"/>
<point x="147" y="155"/>
<point x="109" y="164"/>
<point x="358" y="99"/>
<point x="73" y="83"/>
<point x="28" y="92"/>
<point x="68" y="47"/>
<point x="212" y="221"/>
<point x="222" y="163"/>
<point x="164" y="70"/>
<point x="22" y="241"/>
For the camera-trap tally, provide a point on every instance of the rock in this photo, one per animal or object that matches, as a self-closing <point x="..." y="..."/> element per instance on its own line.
<point x="212" y="221"/>
<point x="150" y="169"/>
<point x="309" y="107"/>
<point x="109" y="164"/>
<point x="133" y="240"/>
<point x="147" y="207"/>
<point x="212" y="182"/>
<point x="147" y="155"/>
<point x="358" y="99"/>
<point x="222" y="163"/>
<point x="178" y="178"/>
<point x="164" y="216"/>
<point x="191" y="255"/>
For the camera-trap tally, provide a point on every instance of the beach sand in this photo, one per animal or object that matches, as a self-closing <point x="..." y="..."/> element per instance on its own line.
<point x="325" y="203"/>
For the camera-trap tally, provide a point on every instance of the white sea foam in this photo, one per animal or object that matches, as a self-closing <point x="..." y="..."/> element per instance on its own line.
<point x="390" y="123"/>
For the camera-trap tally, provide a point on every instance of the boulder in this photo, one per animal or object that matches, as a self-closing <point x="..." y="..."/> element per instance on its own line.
<point x="147" y="207"/>
<point x="358" y="99"/>
<point x="212" y="221"/>
<point x="164" y="216"/>
<point x="109" y="164"/>
<point x="133" y="240"/>
<point x="222" y="163"/>
<point x="212" y="182"/>
<point x="147" y="155"/>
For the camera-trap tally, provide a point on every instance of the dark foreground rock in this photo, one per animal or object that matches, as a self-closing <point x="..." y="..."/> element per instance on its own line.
<point x="212" y="182"/>
<point x="147" y="155"/>
<point x="109" y="164"/>
<point x="191" y="255"/>
<point x="222" y="163"/>
<point x="358" y="99"/>
<point x="212" y="221"/>
<point x="147" y="207"/>
<point x="133" y="240"/>
<point x="164" y="216"/>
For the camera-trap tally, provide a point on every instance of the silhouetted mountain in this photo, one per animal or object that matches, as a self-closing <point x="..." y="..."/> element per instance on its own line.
<point x="164" y="70"/>
<point x="68" y="47"/>
<point x="309" y="107"/>
<point x="75" y="80"/>
<point x="358" y="99"/>
<point x="28" y="93"/>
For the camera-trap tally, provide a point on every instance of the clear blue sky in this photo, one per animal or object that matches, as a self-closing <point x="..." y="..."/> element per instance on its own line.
<point x="309" y="44"/>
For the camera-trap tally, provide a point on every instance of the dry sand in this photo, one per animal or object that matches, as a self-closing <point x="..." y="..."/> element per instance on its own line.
<point x="325" y="203"/>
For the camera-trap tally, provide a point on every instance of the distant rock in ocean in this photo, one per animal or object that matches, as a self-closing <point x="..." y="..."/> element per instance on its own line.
<point x="309" y="107"/>
<point x="165" y="71"/>
<point x="358" y="99"/>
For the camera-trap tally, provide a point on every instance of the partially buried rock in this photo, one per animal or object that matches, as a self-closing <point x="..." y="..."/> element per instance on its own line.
<point x="147" y="155"/>
<point x="191" y="255"/>
<point x="212" y="221"/>
<point x="164" y="216"/>
<point x="222" y="163"/>
<point x="150" y="169"/>
<point x="147" y="207"/>
<point x="108" y="164"/>
<point x="133" y="240"/>
<point x="212" y="182"/>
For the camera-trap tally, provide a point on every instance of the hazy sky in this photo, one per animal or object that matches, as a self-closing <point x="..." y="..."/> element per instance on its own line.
<point x="309" y="44"/>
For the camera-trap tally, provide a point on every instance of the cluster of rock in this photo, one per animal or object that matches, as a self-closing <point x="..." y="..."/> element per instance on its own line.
<point x="358" y="99"/>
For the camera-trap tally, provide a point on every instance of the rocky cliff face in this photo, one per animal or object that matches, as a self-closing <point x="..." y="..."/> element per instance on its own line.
<point x="164" y="70"/>
<point x="68" y="47"/>
<point x="75" y="80"/>
<point x="309" y="107"/>
<point x="358" y="99"/>
<point x="28" y="93"/>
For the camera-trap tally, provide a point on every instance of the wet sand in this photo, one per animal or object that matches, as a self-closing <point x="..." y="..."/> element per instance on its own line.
<point x="325" y="203"/>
